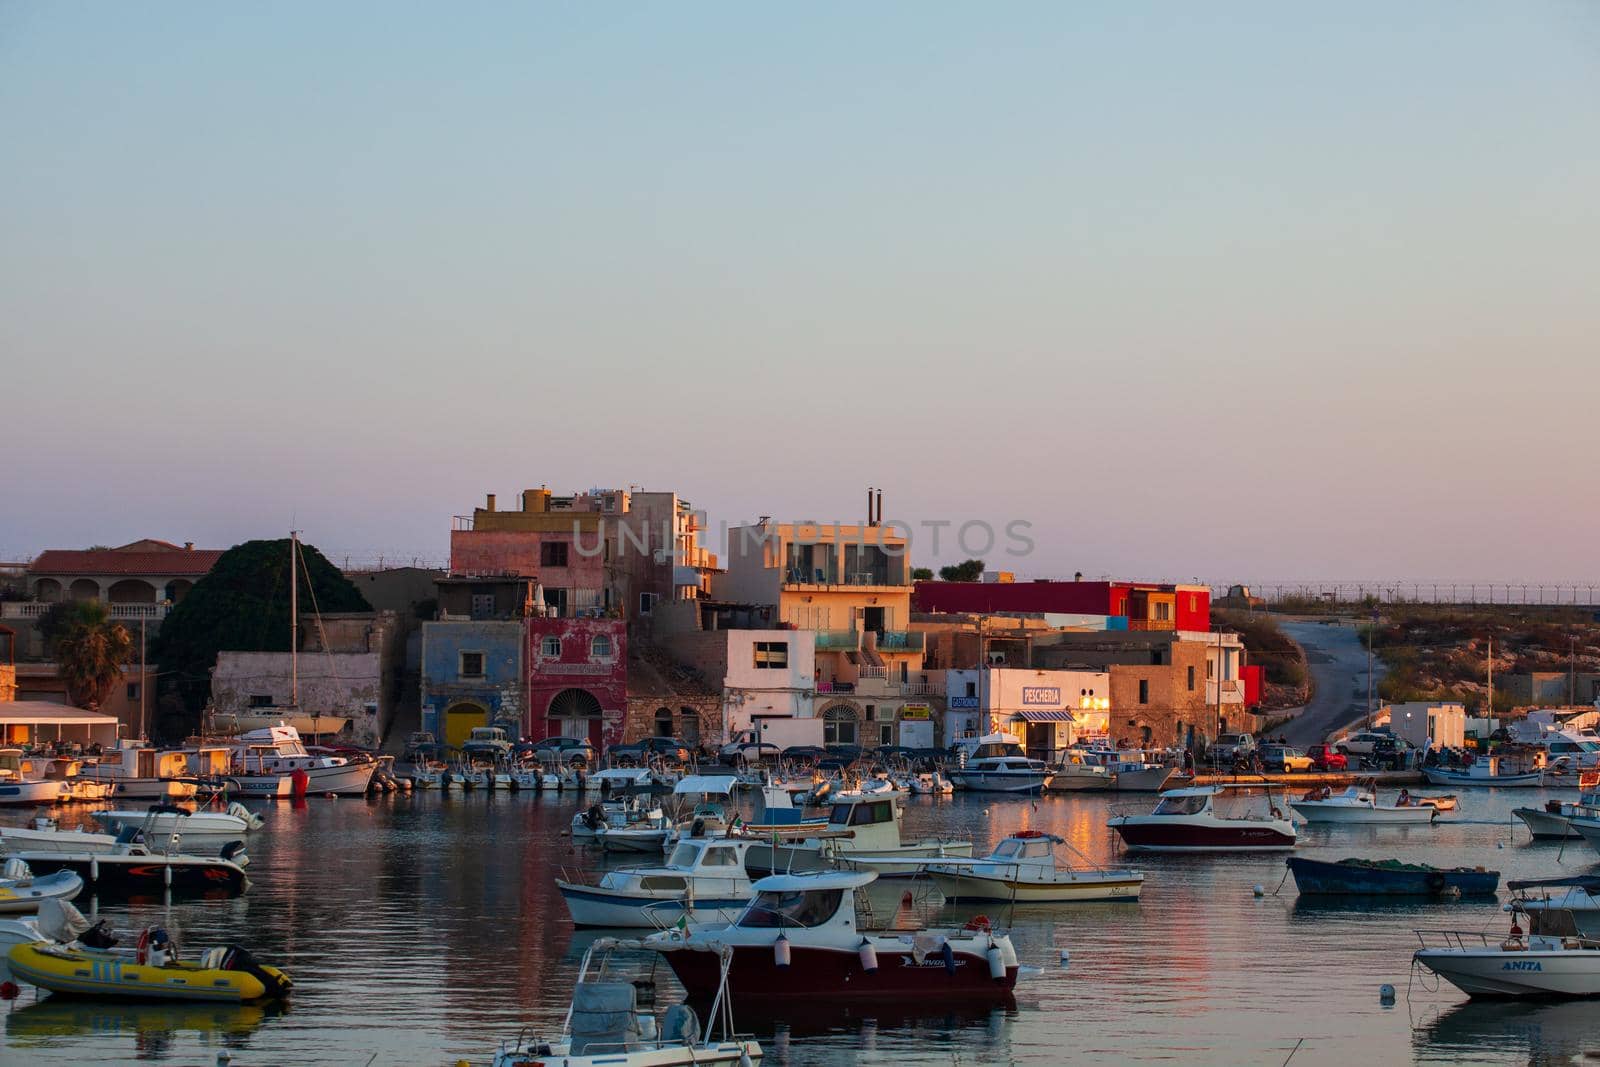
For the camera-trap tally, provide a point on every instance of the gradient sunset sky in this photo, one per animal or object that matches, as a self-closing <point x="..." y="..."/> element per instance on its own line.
<point x="1249" y="291"/>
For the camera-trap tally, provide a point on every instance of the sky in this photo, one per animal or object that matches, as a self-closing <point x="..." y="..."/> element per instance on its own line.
<point x="1229" y="292"/>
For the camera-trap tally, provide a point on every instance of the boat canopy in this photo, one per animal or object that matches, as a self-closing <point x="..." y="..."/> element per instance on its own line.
<point x="621" y="774"/>
<point x="793" y="883"/>
<point x="718" y="784"/>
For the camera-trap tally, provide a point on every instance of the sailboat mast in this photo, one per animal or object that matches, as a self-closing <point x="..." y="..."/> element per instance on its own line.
<point x="1488" y="711"/>
<point x="294" y="618"/>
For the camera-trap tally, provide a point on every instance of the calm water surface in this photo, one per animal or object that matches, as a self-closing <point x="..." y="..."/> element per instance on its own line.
<point x="426" y="928"/>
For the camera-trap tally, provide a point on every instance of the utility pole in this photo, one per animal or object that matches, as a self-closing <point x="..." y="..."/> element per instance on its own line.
<point x="143" y="678"/>
<point x="1572" y="672"/>
<point x="1371" y="627"/>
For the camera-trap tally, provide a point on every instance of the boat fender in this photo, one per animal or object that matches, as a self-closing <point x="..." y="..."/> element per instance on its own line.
<point x="948" y="954"/>
<point x="869" y="956"/>
<point x="781" y="951"/>
<point x="1435" y="882"/>
<point x="142" y="953"/>
<point x="94" y="869"/>
<point x="299" y="781"/>
<point x="997" y="963"/>
<point x="166" y="875"/>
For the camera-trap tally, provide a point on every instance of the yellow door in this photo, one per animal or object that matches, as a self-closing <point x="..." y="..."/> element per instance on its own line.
<point x="459" y="722"/>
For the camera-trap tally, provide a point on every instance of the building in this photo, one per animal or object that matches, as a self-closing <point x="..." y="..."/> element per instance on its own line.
<point x="667" y="700"/>
<point x="348" y="667"/>
<point x="472" y="675"/>
<point x="1165" y="685"/>
<point x="34" y="722"/>
<point x="577" y="671"/>
<point x="759" y="673"/>
<point x="1425" y="722"/>
<point x="8" y="664"/>
<point x="1144" y="605"/>
<point x="1045" y="710"/>
<point x="131" y="700"/>
<point x="1544" y="688"/>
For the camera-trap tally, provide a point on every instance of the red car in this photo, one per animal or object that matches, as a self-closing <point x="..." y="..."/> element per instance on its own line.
<point x="1324" y="758"/>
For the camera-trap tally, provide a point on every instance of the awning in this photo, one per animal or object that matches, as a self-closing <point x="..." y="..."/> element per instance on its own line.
<point x="1043" y="716"/>
<point x="45" y="713"/>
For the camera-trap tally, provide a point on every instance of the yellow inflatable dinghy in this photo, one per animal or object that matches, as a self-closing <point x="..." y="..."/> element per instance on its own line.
<point x="222" y="974"/>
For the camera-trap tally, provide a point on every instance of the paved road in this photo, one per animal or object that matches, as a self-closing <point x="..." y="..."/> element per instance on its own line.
<point x="1338" y="662"/>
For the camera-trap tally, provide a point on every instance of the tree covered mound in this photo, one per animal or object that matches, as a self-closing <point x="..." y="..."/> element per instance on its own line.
<point x="241" y="606"/>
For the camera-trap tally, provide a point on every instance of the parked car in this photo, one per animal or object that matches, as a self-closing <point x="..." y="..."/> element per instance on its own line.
<point x="1284" y="759"/>
<point x="575" y="751"/>
<point x="1361" y="744"/>
<point x="671" y="748"/>
<point x="1229" y="747"/>
<point x="1327" y="758"/>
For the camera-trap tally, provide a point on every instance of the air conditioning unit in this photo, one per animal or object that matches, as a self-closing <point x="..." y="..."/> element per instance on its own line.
<point x="997" y="659"/>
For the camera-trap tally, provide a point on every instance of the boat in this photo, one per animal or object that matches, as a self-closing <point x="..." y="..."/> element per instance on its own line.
<point x="57" y="920"/>
<point x="862" y="830"/>
<point x="1575" y="910"/>
<point x="151" y="972"/>
<point x="647" y="833"/>
<point x="1022" y="869"/>
<point x="1101" y="769"/>
<point x="277" y="752"/>
<point x="1554" y="820"/>
<point x="1209" y="818"/>
<point x="1519" y="965"/>
<point x="21" y="782"/>
<point x="1389" y="878"/>
<point x="799" y="940"/>
<point x="166" y="819"/>
<point x="605" y="1027"/>
<point x="605" y="814"/>
<point x="46" y="836"/>
<point x="931" y="783"/>
<point x="131" y="868"/>
<point x="233" y="723"/>
<point x="136" y="771"/>
<point x="1359" y="804"/>
<point x="1497" y="771"/>
<point x="21" y="892"/>
<point x="999" y="765"/>
<point x="704" y="878"/>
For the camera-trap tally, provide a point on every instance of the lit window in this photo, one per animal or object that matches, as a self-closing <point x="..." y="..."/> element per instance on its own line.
<point x="772" y="655"/>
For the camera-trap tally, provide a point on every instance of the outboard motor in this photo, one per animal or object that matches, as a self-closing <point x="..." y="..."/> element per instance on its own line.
<point x="237" y="959"/>
<point x="234" y="853"/>
<point x="99" y="935"/>
<point x="15" y="869"/>
<point x="595" y="817"/>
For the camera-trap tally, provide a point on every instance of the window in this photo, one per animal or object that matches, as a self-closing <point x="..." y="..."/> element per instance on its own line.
<point x="482" y="605"/>
<point x="557" y="599"/>
<point x="772" y="655"/>
<point x="1191" y="679"/>
<point x="792" y="908"/>
<point x="260" y="700"/>
<point x="133" y="690"/>
<point x="553" y="554"/>
<point x="721" y="857"/>
<point x="972" y="689"/>
<point x="471" y="665"/>
<point x="600" y="647"/>
<point x="1163" y="611"/>
<point x="1144" y="690"/>
<point x="550" y="646"/>
<point x="839" y="726"/>
<point x="647" y="602"/>
<point x="886" y="733"/>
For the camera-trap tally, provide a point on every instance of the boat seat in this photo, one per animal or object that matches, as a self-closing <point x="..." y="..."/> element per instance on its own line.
<point x="604" y="1018"/>
<point x="680" y="1025"/>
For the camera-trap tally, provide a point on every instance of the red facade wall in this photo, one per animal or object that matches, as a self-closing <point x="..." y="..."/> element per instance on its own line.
<point x="1070" y="598"/>
<point x="1252" y="676"/>
<point x="576" y="666"/>
<point x="1194" y="608"/>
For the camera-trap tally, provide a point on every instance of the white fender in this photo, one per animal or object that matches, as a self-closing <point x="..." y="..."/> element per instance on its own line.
<point x="781" y="951"/>
<point x="869" y="957"/>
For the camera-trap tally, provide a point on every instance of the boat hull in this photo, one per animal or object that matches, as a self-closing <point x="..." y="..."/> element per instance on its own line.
<point x="1000" y="781"/>
<point x="700" y="1055"/>
<point x="961" y="887"/>
<point x="760" y="859"/>
<point x="838" y="974"/>
<point x="144" y="874"/>
<point x="1165" y="834"/>
<point x="151" y="788"/>
<point x="46" y="792"/>
<point x="1498" y="973"/>
<point x="24" y="897"/>
<point x="591" y="906"/>
<point x="1500" y="781"/>
<point x="119" y="976"/>
<point x="1316" y="878"/>
<point x="1314" y="811"/>
<point x="1546" y="825"/>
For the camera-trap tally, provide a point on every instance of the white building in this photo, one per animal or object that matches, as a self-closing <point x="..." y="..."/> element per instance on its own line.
<point x="1423" y="721"/>
<point x="769" y="674"/>
<point x="1045" y="710"/>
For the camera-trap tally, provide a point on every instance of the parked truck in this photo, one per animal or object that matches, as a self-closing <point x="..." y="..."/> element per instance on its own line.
<point x="778" y="732"/>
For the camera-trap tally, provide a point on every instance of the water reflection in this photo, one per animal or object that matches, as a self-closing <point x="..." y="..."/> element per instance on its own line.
<point x="1538" y="1034"/>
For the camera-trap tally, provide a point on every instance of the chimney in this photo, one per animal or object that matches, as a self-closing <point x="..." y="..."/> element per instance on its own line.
<point x="869" y="505"/>
<point x="880" y="509"/>
<point x="491" y="503"/>
<point x="188" y="546"/>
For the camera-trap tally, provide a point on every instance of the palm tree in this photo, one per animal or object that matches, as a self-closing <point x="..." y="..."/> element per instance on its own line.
<point x="90" y="651"/>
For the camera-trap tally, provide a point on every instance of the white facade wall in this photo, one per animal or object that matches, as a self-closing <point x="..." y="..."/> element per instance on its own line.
<point x="750" y="691"/>
<point x="347" y="684"/>
<point x="1422" y="721"/>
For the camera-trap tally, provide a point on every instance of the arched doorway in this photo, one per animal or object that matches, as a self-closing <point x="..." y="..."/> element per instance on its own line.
<point x="460" y="719"/>
<point x="85" y="589"/>
<point x="47" y="589"/>
<point x="663" y="722"/>
<point x="177" y="589"/>
<point x="689" y="727"/>
<point x="575" y="713"/>
<point x="131" y="591"/>
<point x="839" y="724"/>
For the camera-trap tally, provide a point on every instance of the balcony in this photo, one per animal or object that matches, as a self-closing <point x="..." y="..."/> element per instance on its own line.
<point x="901" y="641"/>
<point x="837" y="640"/>
<point x="36" y="609"/>
<point x="822" y="579"/>
<point x="1152" y="624"/>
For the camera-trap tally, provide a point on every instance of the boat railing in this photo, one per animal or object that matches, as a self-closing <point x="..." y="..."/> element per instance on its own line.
<point x="1458" y="940"/>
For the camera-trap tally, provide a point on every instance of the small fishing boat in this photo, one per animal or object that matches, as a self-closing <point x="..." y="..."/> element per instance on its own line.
<point x="1358" y="877"/>
<point x="135" y="771"/>
<point x="704" y="878"/>
<point x="931" y="783"/>
<point x="153" y="971"/>
<point x="647" y="834"/>
<point x="22" y="893"/>
<point x="799" y="939"/>
<point x="1209" y="818"/>
<point x="1520" y="965"/>
<point x="1554" y="820"/>
<point x="1098" y="768"/>
<point x="1495" y="771"/>
<point x="1359" y="804"/>
<point x="263" y="757"/>
<point x="605" y="1027"/>
<point x="1022" y="869"/>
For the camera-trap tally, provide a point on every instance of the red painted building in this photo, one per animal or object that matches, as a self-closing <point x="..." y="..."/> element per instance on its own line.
<point x="1146" y="605"/>
<point x="577" y="679"/>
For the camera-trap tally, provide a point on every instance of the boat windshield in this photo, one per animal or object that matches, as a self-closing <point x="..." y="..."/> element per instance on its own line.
<point x="800" y="907"/>
<point x="684" y="854"/>
<point x="1180" y="806"/>
<point x="862" y="814"/>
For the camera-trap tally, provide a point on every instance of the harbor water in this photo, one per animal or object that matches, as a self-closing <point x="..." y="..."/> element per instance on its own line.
<point x="424" y="929"/>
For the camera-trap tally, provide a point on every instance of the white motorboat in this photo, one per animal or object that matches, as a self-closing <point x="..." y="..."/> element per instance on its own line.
<point x="932" y="783"/>
<point x="1554" y="820"/>
<point x="165" y="819"/>
<point x="135" y="771"/>
<point x="1093" y="769"/>
<point x="1022" y="869"/>
<point x="605" y="1027"/>
<point x="699" y="807"/>
<point x="999" y="765"/>
<point x="801" y="940"/>
<point x="861" y="830"/>
<point x="646" y="834"/>
<point x="22" y="780"/>
<point x="1559" y="907"/>
<point x="1496" y="771"/>
<point x="1359" y="805"/>
<point x="1211" y="818"/>
<point x="45" y="838"/>
<point x="611" y="814"/>
<point x="1520" y="965"/>
<point x="21" y="892"/>
<point x="704" y="879"/>
<point x="277" y="752"/>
